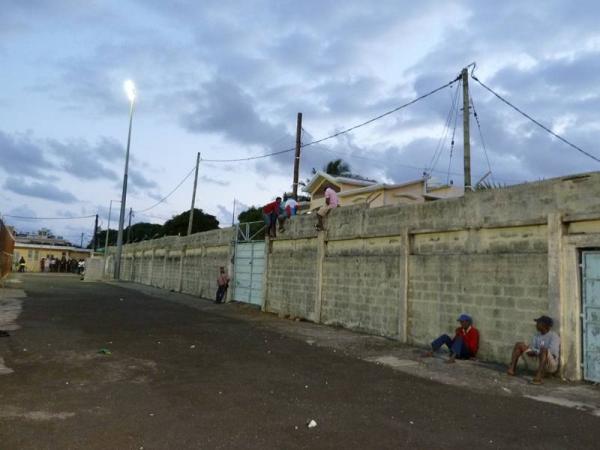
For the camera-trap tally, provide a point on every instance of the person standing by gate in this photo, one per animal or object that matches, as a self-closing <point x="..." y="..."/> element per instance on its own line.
<point x="223" y="284"/>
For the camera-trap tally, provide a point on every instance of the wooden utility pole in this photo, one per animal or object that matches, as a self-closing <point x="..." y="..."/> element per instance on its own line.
<point x="297" y="157"/>
<point x="191" y="221"/>
<point x="466" y="129"/>
<point x="95" y="239"/>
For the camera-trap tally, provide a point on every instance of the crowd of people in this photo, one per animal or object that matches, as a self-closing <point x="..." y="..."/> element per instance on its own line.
<point x="52" y="264"/>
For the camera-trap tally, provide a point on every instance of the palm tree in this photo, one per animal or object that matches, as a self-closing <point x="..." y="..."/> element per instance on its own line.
<point x="337" y="168"/>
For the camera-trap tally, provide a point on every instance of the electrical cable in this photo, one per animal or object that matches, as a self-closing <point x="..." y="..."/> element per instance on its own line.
<point x="539" y="124"/>
<point x="452" y="146"/>
<point x="453" y="113"/>
<point x="442" y="140"/>
<point x="169" y="194"/>
<point x="481" y="138"/>
<point x="49" y="218"/>
<point x="341" y="132"/>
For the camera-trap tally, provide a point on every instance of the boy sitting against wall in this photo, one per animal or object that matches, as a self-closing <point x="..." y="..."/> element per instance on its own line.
<point x="464" y="344"/>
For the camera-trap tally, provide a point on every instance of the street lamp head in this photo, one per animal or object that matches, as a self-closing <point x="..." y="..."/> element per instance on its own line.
<point x="130" y="90"/>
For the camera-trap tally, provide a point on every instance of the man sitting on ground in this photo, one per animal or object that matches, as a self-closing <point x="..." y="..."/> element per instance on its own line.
<point x="465" y="343"/>
<point x="331" y="201"/>
<point x="544" y="350"/>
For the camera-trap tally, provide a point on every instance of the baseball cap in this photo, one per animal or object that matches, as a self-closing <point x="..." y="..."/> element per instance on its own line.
<point x="545" y="320"/>
<point x="464" y="317"/>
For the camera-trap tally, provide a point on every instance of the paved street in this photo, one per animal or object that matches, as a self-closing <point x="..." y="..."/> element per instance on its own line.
<point x="179" y="377"/>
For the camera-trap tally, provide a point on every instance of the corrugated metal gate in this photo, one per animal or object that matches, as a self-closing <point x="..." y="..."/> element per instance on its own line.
<point x="249" y="263"/>
<point x="591" y="315"/>
<point x="249" y="267"/>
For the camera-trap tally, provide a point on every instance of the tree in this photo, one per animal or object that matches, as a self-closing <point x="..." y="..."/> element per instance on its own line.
<point x="253" y="214"/>
<point x="178" y="225"/>
<point x="337" y="168"/>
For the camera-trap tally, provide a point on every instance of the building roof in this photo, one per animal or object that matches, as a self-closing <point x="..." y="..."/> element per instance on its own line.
<point x="320" y="176"/>
<point x="52" y="247"/>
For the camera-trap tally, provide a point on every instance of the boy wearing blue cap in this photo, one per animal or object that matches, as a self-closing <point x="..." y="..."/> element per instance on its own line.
<point x="465" y="343"/>
<point x="544" y="350"/>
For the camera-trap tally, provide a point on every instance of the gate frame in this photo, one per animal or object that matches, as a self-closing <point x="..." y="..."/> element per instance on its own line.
<point x="242" y="229"/>
<point x="583" y="338"/>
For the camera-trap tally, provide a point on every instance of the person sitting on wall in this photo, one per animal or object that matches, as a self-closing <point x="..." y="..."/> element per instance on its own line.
<point x="465" y="343"/>
<point x="270" y="214"/>
<point x="223" y="284"/>
<point x="544" y="350"/>
<point x="331" y="201"/>
<point x="289" y="209"/>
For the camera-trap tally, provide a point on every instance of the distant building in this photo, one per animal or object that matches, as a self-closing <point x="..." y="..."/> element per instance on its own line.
<point x="44" y="236"/>
<point x="43" y="244"/>
<point x="353" y="191"/>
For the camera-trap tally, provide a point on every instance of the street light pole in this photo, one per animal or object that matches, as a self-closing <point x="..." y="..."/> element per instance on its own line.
<point x="130" y="90"/>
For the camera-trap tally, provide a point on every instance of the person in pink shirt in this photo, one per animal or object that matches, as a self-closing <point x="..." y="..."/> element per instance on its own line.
<point x="331" y="201"/>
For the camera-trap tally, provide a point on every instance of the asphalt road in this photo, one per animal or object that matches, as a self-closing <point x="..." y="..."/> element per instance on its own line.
<point x="181" y="378"/>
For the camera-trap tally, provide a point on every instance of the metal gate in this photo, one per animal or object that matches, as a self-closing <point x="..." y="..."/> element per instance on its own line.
<point x="249" y="267"/>
<point x="249" y="263"/>
<point x="591" y="315"/>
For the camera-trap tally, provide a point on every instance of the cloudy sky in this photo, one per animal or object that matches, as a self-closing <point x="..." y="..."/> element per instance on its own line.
<point x="227" y="78"/>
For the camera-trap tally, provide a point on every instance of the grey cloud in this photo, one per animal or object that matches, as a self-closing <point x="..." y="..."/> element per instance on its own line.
<point x="19" y="153"/>
<point x="223" y="107"/>
<point x="83" y="161"/>
<point x="218" y="182"/>
<point x="46" y="191"/>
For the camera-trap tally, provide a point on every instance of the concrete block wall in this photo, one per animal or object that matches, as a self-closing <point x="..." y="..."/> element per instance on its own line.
<point x="292" y="277"/>
<point x="362" y="280"/>
<point x="504" y="256"/>
<point x="187" y="264"/>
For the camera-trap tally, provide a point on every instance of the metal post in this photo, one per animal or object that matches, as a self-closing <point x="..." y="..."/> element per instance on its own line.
<point x="81" y="245"/>
<point x="95" y="239"/>
<point x="233" y="214"/>
<point x="129" y="226"/>
<point x="297" y="155"/>
<point x="466" y="131"/>
<point x="117" y="274"/>
<point x="191" y="221"/>
<point x="107" y="229"/>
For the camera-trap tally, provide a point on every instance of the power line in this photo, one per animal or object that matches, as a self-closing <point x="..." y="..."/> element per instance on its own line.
<point x="49" y="218"/>
<point x="344" y="131"/>
<point x="452" y="114"/>
<point x="250" y="158"/>
<point x="169" y="194"/>
<point x="543" y="127"/>
<point x="481" y="137"/>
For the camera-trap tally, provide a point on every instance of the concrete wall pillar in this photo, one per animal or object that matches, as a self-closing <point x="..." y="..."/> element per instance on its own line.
<point x="321" y="252"/>
<point x="181" y="263"/>
<point x="151" y="268"/>
<point x="403" y="291"/>
<point x="164" y="270"/>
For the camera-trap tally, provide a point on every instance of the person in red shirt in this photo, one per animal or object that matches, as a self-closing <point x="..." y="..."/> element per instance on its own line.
<point x="270" y="214"/>
<point x="465" y="343"/>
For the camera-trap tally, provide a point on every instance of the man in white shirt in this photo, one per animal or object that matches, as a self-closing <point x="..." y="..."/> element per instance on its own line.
<point x="331" y="201"/>
<point x="544" y="350"/>
<point x="290" y="206"/>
